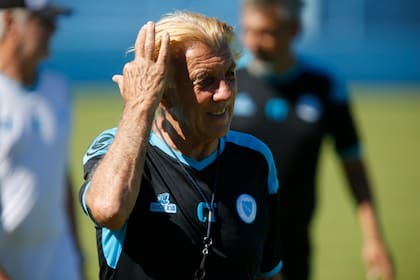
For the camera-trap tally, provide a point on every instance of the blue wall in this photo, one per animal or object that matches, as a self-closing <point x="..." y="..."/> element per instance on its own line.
<point x="366" y="40"/>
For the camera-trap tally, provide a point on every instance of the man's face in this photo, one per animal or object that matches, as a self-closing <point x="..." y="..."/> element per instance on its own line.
<point x="205" y="91"/>
<point x="265" y="34"/>
<point x="35" y="37"/>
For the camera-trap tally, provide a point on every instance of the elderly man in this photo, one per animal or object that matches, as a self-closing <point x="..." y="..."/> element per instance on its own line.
<point x="175" y="194"/>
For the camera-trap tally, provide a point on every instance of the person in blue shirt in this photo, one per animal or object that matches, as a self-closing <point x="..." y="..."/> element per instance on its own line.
<point x="38" y="237"/>
<point x="293" y="105"/>
<point x="173" y="193"/>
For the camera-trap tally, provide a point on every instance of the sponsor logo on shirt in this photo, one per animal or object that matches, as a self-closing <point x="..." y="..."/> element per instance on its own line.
<point x="101" y="144"/>
<point x="163" y="205"/>
<point x="276" y="109"/>
<point x="246" y="207"/>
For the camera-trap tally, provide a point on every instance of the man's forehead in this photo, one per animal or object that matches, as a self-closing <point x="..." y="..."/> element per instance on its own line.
<point x="199" y="53"/>
<point x="272" y="12"/>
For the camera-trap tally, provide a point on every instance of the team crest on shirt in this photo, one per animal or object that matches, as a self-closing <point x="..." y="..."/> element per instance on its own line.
<point x="247" y="208"/>
<point x="163" y="205"/>
<point x="309" y="108"/>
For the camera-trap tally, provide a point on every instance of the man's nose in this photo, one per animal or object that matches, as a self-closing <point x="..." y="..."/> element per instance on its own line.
<point x="252" y="41"/>
<point x="224" y="91"/>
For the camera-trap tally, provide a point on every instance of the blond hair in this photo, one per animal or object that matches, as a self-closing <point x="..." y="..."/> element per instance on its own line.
<point x="185" y="27"/>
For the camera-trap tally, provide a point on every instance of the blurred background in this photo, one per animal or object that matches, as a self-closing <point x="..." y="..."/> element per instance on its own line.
<point x="368" y="40"/>
<point x="374" y="44"/>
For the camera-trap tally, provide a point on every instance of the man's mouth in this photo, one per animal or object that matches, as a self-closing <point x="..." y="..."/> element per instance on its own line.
<point x="218" y="112"/>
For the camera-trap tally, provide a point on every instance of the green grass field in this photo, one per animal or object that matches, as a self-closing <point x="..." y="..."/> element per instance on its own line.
<point x="389" y="121"/>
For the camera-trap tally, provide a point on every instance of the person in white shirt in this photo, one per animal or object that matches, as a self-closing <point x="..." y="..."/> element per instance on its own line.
<point x="38" y="239"/>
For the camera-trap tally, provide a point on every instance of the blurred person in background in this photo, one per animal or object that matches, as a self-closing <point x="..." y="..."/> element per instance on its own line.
<point x="37" y="227"/>
<point x="173" y="193"/>
<point x="292" y="106"/>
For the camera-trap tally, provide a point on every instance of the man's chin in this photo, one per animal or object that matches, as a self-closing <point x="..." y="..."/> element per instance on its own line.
<point x="261" y="67"/>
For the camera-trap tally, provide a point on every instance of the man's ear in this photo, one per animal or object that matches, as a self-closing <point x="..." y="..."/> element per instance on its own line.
<point x="9" y="22"/>
<point x="7" y="18"/>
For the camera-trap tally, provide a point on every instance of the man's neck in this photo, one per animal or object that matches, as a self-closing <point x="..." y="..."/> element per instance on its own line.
<point x="280" y="66"/>
<point x="176" y="140"/>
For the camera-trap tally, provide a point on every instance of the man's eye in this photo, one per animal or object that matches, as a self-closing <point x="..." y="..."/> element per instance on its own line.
<point x="231" y="75"/>
<point x="206" y="82"/>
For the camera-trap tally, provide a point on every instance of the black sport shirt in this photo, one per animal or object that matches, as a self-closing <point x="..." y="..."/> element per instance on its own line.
<point x="292" y="114"/>
<point x="162" y="238"/>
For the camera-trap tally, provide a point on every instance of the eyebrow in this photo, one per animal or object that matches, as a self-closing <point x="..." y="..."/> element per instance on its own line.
<point x="201" y="73"/>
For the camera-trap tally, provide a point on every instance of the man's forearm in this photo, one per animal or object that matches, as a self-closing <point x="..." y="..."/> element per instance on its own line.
<point x="115" y="183"/>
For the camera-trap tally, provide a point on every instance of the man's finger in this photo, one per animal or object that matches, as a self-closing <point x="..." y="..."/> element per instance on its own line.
<point x="118" y="79"/>
<point x="139" y="45"/>
<point x="149" y="44"/>
<point x="164" y="49"/>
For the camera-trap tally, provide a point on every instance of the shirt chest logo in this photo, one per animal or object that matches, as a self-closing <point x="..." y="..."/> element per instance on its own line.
<point x="247" y="208"/>
<point x="163" y="205"/>
<point x="309" y="108"/>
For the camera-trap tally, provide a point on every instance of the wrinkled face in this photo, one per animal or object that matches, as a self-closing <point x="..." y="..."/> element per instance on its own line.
<point x="264" y="33"/>
<point x="205" y="91"/>
<point x="35" y="37"/>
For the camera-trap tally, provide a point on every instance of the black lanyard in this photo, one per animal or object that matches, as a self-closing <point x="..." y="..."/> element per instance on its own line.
<point x="200" y="273"/>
